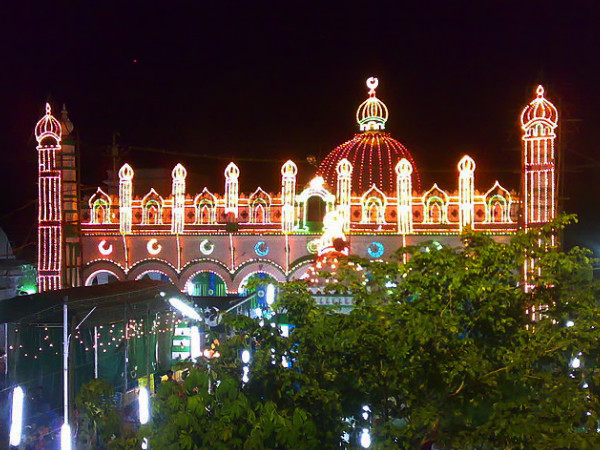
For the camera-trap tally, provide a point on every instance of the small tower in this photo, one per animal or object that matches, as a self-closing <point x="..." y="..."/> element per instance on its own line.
<point x="344" y="190"/>
<point x="538" y="121"/>
<point x="466" y="192"/>
<point x="288" y="194"/>
<point x="125" y="196"/>
<point x="404" y="172"/>
<point x="48" y="133"/>
<point x="70" y="203"/>
<point x="232" y="173"/>
<point x="178" y="212"/>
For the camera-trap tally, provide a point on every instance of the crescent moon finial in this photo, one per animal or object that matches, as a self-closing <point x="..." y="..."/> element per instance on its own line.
<point x="372" y="84"/>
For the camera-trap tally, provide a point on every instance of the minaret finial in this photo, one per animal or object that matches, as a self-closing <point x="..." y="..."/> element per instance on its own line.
<point x="372" y="84"/>
<point x="540" y="91"/>
<point x="372" y="113"/>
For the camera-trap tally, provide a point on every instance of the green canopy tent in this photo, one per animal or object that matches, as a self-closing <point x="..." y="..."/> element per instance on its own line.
<point x="120" y="332"/>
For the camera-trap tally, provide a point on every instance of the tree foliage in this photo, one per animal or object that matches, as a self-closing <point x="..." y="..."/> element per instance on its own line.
<point x="441" y="346"/>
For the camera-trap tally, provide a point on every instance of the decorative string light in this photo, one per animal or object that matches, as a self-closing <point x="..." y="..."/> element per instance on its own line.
<point x="466" y="168"/>
<point x="288" y="196"/>
<point x="48" y="133"/>
<point x="344" y="190"/>
<point x="404" y="171"/>
<point x="178" y="192"/>
<point x="125" y="195"/>
<point x="539" y="119"/>
<point x="232" y="174"/>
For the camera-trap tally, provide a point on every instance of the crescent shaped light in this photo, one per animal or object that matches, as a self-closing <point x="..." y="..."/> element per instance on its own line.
<point x="153" y="247"/>
<point x="103" y="249"/>
<point x="207" y="247"/>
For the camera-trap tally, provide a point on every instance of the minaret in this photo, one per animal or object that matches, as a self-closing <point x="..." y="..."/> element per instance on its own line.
<point x="178" y="212"/>
<point x="288" y="194"/>
<point x="404" y="170"/>
<point x="344" y="190"/>
<point x="466" y="191"/>
<point x="48" y="133"/>
<point x="538" y="121"/>
<point x="125" y="196"/>
<point x="70" y="203"/>
<point x="232" y="173"/>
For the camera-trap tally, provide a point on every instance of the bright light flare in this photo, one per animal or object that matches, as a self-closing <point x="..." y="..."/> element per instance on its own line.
<point x="16" y="417"/>
<point x="365" y="438"/>
<point x="144" y="405"/>
<point x="184" y="308"/>
<point x="195" y="350"/>
<point x="245" y="356"/>
<point x="65" y="437"/>
<point x="270" y="294"/>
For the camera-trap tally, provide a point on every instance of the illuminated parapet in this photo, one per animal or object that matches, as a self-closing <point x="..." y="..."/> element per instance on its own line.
<point x="404" y="171"/>
<point x="466" y="190"/>
<point x="232" y="174"/>
<point x="538" y="121"/>
<point x="48" y="134"/>
<point x="178" y="211"/>
<point x="344" y="190"/>
<point x="288" y="194"/>
<point x="125" y="194"/>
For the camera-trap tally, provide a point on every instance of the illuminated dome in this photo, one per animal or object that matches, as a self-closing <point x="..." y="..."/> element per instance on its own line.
<point x="373" y="153"/>
<point x="539" y="109"/>
<point x="48" y="127"/>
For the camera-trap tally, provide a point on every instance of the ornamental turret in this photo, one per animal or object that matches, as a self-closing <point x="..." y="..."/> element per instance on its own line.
<point x="539" y="119"/>
<point x="48" y="134"/>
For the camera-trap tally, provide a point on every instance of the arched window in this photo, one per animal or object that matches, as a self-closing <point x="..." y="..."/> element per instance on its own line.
<point x="152" y="205"/>
<point x="153" y="213"/>
<point x="497" y="205"/>
<point x="206" y="207"/>
<point x="100" y="204"/>
<point x="435" y="202"/>
<point x="100" y="212"/>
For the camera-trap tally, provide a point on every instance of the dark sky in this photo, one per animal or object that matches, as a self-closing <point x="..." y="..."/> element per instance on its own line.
<point x="283" y="79"/>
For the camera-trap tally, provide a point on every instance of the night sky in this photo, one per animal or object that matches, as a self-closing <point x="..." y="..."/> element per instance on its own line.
<point x="277" y="80"/>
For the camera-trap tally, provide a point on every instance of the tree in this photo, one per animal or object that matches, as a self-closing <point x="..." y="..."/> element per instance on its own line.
<point x="440" y="347"/>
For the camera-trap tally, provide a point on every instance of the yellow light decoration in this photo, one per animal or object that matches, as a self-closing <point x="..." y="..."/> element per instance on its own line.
<point x="404" y="171"/>
<point x="232" y="174"/>
<point x="466" y="168"/>
<point x="125" y="194"/>
<point x="288" y="196"/>
<point x="178" y="211"/>
<point x="344" y="190"/>
<point x="539" y="119"/>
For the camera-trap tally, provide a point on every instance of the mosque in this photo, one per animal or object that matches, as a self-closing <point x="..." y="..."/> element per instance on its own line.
<point x="212" y="243"/>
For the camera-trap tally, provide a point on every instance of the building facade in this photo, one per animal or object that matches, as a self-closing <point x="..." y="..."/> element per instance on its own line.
<point x="210" y="243"/>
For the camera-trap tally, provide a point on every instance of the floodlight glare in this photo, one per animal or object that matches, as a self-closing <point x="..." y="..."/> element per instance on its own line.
<point x="195" y="351"/>
<point x="144" y="405"/>
<point x="65" y="437"/>
<point x="16" y="417"/>
<point x="270" y="294"/>
<point x="184" y="308"/>
<point x="365" y="438"/>
<point x="245" y="356"/>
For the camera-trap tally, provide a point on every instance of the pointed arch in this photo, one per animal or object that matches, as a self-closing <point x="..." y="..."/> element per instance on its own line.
<point x="100" y="206"/>
<point x="260" y="206"/>
<point x="435" y="205"/>
<point x="373" y="204"/>
<point x="152" y="208"/>
<point x="498" y="203"/>
<point x="205" y="205"/>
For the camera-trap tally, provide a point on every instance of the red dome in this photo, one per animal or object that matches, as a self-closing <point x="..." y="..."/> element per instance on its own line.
<point x="374" y="156"/>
